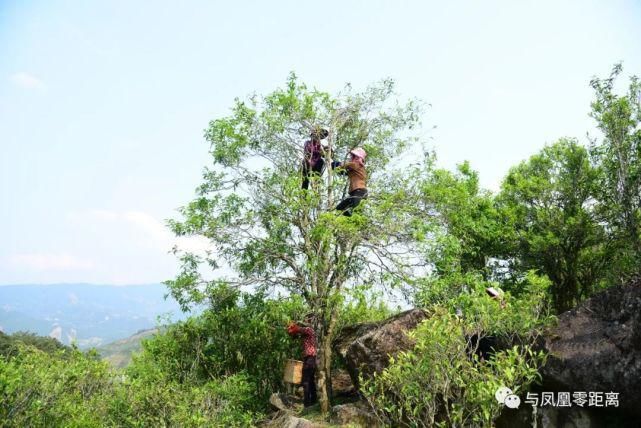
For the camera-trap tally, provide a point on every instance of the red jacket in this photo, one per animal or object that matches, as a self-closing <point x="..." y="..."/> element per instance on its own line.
<point x="309" y="338"/>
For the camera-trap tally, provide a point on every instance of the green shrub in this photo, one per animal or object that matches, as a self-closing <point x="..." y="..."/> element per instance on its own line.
<point x="160" y="402"/>
<point x="244" y="334"/>
<point x="9" y="344"/>
<point x="73" y="389"/>
<point x="442" y="381"/>
<point x="42" y="390"/>
<point x="215" y="369"/>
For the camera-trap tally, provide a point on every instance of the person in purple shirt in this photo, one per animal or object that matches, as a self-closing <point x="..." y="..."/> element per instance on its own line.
<point x="313" y="155"/>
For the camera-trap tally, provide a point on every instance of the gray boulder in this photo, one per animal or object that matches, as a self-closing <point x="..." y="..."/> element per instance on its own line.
<point x="597" y="347"/>
<point x="366" y="348"/>
<point x="285" y="402"/>
<point x="354" y="415"/>
<point x="284" y="419"/>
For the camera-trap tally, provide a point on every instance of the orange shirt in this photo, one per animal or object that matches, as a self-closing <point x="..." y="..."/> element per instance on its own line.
<point x="356" y="174"/>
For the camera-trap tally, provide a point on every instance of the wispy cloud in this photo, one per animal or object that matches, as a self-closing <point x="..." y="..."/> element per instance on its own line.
<point x="154" y="230"/>
<point x="44" y="261"/>
<point x="27" y="81"/>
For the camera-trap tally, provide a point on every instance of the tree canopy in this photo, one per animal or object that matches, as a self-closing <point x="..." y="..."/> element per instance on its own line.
<point x="267" y="232"/>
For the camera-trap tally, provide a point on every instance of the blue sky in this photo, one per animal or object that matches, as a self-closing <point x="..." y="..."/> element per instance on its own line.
<point x="103" y="104"/>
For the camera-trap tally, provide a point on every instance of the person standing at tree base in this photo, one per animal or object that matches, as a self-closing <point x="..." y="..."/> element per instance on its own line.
<point x="308" y="337"/>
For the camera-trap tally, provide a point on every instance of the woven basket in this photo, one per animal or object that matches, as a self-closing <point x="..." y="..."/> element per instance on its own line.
<point x="293" y="372"/>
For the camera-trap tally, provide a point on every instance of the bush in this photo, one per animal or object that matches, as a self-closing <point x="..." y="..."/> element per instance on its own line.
<point x="216" y="369"/>
<point x="74" y="389"/>
<point x="442" y="381"/>
<point x="243" y="334"/>
<point x="38" y="389"/>
<point x="9" y="344"/>
<point x="151" y="401"/>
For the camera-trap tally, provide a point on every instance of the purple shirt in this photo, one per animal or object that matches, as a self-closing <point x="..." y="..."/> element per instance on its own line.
<point x="312" y="152"/>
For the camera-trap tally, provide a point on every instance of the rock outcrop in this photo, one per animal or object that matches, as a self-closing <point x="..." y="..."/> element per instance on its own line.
<point x="354" y="415"/>
<point x="366" y="348"/>
<point x="342" y="384"/>
<point x="594" y="347"/>
<point x="597" y="347"/>
<point x="286" y="403"/>
<point x="284" y="419"/>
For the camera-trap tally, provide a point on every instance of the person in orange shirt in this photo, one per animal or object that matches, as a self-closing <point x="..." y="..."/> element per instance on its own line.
<point x="355" y="170"/>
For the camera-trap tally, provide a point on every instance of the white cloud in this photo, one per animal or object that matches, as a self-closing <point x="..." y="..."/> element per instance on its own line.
<point x="26" y="80"/>
<point x="154" y="230"/>
<point x="42" y="261"/>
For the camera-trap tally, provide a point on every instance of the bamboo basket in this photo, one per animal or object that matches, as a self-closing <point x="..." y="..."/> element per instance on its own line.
<point x="293" y="372"/>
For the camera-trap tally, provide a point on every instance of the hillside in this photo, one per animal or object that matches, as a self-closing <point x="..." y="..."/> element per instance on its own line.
<point x="119" y="353"/>
<point x="89" y="315"/>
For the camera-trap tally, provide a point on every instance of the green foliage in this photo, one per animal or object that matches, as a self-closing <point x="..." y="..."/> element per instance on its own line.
<point x="618" y="157"/>
<point x="441" y="382"/>
<point x="215" y="369"/>
<point x="469" y="229"/>
<point x="364" y="305"/>
<point x="10" y="344"/>
<point x="39" y="389"/>
<point x="244" y="334"/>
<point x="524" y="310"/>
<point x="154" y="400"/>
<point x="271" y="234"/>
<point x="549" y="202"/>
<point x="70" y="388"/>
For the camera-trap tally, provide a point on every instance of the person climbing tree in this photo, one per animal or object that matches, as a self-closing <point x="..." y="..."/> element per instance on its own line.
<point x="313" y="155"/>
<point x="308" y="336"/>
<point x="355" y="170"/>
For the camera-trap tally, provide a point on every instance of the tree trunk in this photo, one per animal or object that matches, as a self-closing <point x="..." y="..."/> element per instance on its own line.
<point x="330" y="172"/>
<point x="324" y="371"/>
<point x="324" y="368"/>
<point x="324" y="375"/>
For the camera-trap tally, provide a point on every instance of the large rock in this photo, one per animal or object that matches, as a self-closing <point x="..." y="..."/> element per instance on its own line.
<point x="342" y="384"/>
<point x="597" y="347"/>
<point x="366" y="348"/>
<point x="284" y="419"/>
<point x="354" y="415"/>
<point x="594" y="347"/>
<point x="285" y="402"/>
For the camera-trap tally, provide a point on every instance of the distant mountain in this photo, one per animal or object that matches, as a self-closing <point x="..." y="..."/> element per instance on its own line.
<point x="91" y="315"/>
<point x="119" y="353"/>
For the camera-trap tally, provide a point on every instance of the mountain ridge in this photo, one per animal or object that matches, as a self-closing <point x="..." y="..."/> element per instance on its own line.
<point x="87" y="314"/>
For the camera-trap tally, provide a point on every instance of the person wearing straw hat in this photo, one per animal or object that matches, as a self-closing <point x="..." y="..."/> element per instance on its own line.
<point x="308" y="336"/>
<point x="355" y="170"/>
